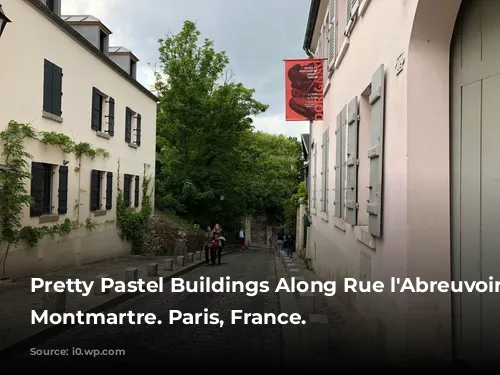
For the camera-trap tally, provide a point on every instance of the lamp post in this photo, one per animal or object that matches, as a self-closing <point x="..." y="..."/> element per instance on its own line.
<point x="3" y="20"/>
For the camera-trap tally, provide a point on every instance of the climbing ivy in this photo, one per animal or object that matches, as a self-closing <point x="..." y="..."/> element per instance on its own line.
<point x="13" y="193"/>
<point x="133" y="224"/>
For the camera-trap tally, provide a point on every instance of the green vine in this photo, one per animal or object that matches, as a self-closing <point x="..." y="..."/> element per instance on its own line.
<point x="13" y="192"/>
<point x="133" y="224"/>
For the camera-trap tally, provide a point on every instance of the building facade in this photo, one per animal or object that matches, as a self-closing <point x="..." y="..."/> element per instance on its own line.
<point x="60" y="75"/>
<point x="402" y="175"/>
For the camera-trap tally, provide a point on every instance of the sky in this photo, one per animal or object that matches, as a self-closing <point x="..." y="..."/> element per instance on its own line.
<point x="257" y="35"/>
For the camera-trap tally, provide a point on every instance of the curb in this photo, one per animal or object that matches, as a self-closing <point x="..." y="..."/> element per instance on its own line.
<point x="55" y="330"/>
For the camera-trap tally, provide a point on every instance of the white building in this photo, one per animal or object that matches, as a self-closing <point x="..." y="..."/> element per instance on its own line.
<point x="59" y="74"/>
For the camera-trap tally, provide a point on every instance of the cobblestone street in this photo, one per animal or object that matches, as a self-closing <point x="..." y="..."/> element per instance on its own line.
<point x="178" y="345"/>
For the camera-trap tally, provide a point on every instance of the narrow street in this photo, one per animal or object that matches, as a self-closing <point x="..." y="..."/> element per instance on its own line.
<point x="179" y="346"/>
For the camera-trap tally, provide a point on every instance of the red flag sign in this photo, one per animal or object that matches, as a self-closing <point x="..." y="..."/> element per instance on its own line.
<point x="304" y="89"/>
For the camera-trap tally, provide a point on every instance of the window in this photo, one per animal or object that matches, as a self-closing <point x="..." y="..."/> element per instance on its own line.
<point x="51" y="5"/>
<point x="127" y="182"/>
<point x="96" y="190"/>
<point x="133" y="124"/>
<point x="136" y="192"/>
<point x="324" y="172"/>
<point x="52" y="88"/>
<point x="102" y="41"/>
<point x="101" y="104"/>
<point x="42" y="191"/>
<point x="132" y="68"/>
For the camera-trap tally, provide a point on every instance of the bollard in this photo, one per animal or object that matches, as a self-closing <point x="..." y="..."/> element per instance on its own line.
<point x="152" y="269"/>
<point x="131" y="274"/>
<point x="190" y="257"/>
<point x="169" y="265"/>
<point x="306" y="303"/>
<point x="98" y="285"/>
<point x="197" y="255"/>
<point x="180" y="260"/>
<point x="54" y="302"/>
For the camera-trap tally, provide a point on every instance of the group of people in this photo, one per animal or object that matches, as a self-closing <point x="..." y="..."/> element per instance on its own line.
<point x="284" y="241"/>
<point x="215" y="242"/>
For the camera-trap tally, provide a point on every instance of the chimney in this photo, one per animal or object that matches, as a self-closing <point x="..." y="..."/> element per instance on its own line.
<point x="53" y="5"/>
<point x="125" y="59"/>
<point x="92" y="29"/>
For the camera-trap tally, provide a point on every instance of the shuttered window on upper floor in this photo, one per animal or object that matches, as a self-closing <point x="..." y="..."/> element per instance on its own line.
<point x="52" y="88"/>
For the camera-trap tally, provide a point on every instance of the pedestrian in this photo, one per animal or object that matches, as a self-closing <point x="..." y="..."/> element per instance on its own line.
<point x="289" y="244"/>
<point x="271" y="242"/>
<point x="214" y="246"/>
<point x="221" y="241"/>
<point x="208" y="245"/>
<point x="281" y="241"/>
<point x="242" y="239"/>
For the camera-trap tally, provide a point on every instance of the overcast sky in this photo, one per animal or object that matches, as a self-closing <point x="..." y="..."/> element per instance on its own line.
<point x="256" y="34"/>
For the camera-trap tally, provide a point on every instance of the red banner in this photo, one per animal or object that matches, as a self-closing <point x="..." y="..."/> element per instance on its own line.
<point x="304" y="89"/>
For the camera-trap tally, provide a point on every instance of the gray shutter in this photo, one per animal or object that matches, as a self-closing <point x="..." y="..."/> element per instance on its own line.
<point x="375" y="153"/>
<point x="48" y="80"/>
<point x="111" y="117"/>
<point x="57" y="90"/>
<point x="327" y="147"/>
<point x="338" y="165"/>
<point x="352" y="163"/>
<point x="136" y="192"/>
<point x="323" y="162"/>
<point x="109" y="190"/>
<point x="332" y="35"/>
<point x="138" y="130"/>
<point x="94" y="190"/>
<point x="62" y="208"/>
<point x="128" y="125"/>
<point x="36" y="189"/>
<point x="96" y="109"/>
<point x="344" y="169"/>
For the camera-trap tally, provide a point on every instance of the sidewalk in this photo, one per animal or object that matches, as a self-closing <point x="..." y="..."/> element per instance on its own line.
<point x="17" y="301"/>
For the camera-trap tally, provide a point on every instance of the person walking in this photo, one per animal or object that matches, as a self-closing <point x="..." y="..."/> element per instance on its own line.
<point x="241" y="238"/>
<point x="271" y="242"/>
<point x="281" y="241"/>
<point x="221" y="241"/>
<point x="289" y="243"/>
<point x="208" y="245"/>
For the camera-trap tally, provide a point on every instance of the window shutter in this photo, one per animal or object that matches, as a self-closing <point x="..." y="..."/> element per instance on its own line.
<point x="96" y="109"/>
<point x="36" y="189"/>
<point x="48" y="79"/>
<point x="375" y="153"/>
<point x="332" y="32"/>
<point x="128" y="126"/>
<point x="320" y="44"/>
<point x="63" y="190"/>
<point x="111" y="117"/>
<point x="338" y="165"/>
<point x="57" y="90"/>
<point x="138" y="130"/>
<point x="109" y="190"/>
<point x="348" y="8"/>
<point x="327" y="142"/>
<point x="344" y="147"/>
<point x="352" y="163"/>
<point x="94" y="190"/>
<point x="126" y="189"/>
<point x="136" y="192"/>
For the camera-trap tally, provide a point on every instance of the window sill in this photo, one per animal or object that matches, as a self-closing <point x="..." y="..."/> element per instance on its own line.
<point x="52" y="117"/>
<point x="324" y="216"/>
<point x="50" y="218"/>
<point x="363" y="235"/>
<point x="339" y="223"/>
<point x="103" y="134"/>
<point x="342" y="52"/>
<point x="100" y="213"/>
<point x="133" y="145"/>
<point x="362" y="7"/>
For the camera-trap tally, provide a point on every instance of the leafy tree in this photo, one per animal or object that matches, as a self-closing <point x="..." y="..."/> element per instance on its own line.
<point x="206" y="147"/>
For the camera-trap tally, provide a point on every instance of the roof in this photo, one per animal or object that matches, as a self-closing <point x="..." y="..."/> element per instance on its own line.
<point x="37" y="4"/>
<point x="305" y="142"/>
<point x="119" y="50"/>
<point x="311" y="24"/>
<point x="85" y="19"/>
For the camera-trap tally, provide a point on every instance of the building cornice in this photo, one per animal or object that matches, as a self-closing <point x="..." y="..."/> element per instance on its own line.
<point x="37" y="4"/>
<point x="311" y="24"/>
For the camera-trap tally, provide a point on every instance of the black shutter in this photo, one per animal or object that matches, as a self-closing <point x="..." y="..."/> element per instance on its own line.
<point x="136" y="192"/>
<point x="36" y="189"/>
<point x="138" y="131"/>
<point x="109" y="190"/>
<point x="48" y="79"/>
<point x="111" y="117"/>
<point x="57" y="90"/>
<point x="96" y="109"/>
<point x="126" y="190"/>
<point x="128" y="126"/>
<point x="63" y="190"/>
<point x="94" y="190"/>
